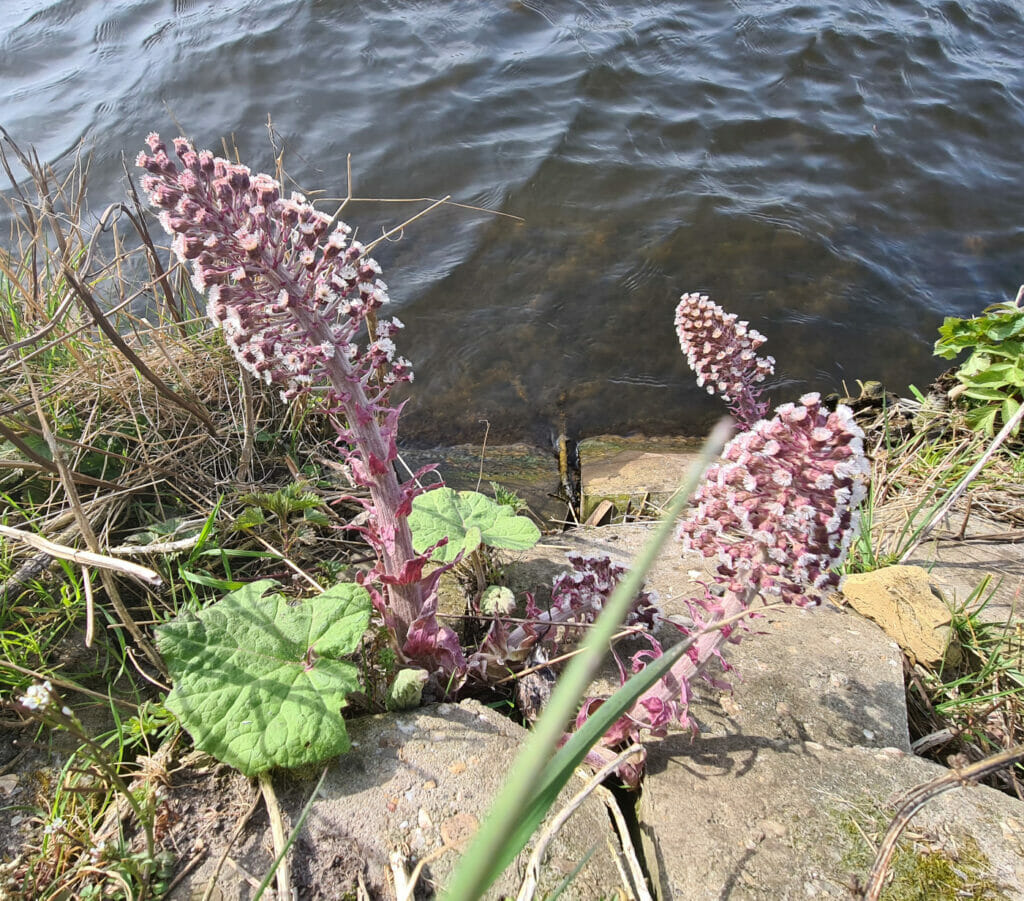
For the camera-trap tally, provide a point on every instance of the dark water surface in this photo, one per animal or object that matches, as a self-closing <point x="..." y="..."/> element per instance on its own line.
<point x="844" y="174"/>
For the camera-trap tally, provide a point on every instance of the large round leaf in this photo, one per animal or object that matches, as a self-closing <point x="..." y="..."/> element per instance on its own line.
<point x="258" y="682"/>
<point x="467" y="519"/>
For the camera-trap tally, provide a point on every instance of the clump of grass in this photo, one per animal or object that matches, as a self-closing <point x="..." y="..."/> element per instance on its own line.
<point x="921" y="454"/>
<point x="127" y="430"/>
<point x="921" y="462"/>
<point x="961" y="714"/>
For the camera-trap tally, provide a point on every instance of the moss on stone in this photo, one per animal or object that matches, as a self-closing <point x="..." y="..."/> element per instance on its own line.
<point x="920" y="869"/>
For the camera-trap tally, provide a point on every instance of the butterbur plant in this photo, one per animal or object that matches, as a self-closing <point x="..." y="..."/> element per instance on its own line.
<point x="777" y="514"/>
<point x="296" y="298"/>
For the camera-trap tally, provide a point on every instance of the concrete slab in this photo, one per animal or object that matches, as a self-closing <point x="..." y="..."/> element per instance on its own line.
<point x="750" y="818"/>
<point x="630" y="472"/>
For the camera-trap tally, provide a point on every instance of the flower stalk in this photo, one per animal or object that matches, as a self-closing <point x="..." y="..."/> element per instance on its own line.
<point x="298" y="303"/>
<point x="722" y="351"/>
<point x="777" y="513"/>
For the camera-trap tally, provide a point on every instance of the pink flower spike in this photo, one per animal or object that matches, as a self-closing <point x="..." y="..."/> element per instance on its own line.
<point x="260" y="259"/>
<point x="721" y="352"/>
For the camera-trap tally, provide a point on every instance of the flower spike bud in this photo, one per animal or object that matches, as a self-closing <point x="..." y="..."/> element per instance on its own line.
<point x="722" y="353"/>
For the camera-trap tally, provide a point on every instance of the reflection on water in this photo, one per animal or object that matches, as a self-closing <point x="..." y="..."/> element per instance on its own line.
<point x="844" y="174"/>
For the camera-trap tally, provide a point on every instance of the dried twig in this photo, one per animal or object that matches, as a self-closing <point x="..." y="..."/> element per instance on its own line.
<point x="921" y="795"/>
<point x="532" y="878"/>
<point x="86" y="558"/>
<point x="639" y="882"/>
<point x="284" y="879"/>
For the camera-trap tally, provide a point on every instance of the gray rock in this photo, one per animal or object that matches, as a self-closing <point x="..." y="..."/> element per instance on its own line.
<point x="425" y="775"/>
<point x="413" y="782"/>
<point x="805" y="752"/>
<point x="750" y="818"/>
<point x="818" y="674"/>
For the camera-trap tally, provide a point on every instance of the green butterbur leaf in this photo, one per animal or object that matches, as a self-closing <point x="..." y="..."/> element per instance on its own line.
<point x="983" y="393"/>
<point x="467" y="519"/>
<point x="259" y="683"/>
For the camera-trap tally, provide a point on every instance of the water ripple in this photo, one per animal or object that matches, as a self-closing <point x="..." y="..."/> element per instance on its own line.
<point x="842" y="173"/>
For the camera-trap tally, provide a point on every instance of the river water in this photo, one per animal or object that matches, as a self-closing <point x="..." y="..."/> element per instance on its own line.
<point x="843" y="174"/>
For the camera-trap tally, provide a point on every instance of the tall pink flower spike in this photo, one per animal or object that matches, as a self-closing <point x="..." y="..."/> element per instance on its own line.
<point x="294" y="296"/>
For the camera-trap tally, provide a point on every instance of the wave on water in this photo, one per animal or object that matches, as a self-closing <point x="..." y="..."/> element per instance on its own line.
<point x="842" y="174"/>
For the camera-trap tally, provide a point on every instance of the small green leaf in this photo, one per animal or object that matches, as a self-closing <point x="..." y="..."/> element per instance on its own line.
<point x="316" y="518"/>
<point x="1009" y="410"/>
<point x="982" y="393"/>
<point x="249" y="518"/>
<point x="209" y="581"/>
<point x="1004" y="326"/>
<point x="258" y="683"/>
<point x="406" y="691"/>
<point x="993" y="374"/>
<point x="982" y="419"/>
<point x="467" y="519"/>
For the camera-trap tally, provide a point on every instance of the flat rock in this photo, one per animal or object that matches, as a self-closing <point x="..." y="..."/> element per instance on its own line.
<point x="413" y="782"/>
<point x="632" y="472"/>
<point x="816" y="674"/>
<point x="750" y="818"/>
<point x="902" y="601"/>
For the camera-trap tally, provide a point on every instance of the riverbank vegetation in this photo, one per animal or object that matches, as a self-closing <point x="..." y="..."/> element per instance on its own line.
<point x="144" y="475"/>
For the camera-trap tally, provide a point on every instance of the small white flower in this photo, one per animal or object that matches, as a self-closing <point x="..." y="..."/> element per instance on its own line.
<point x="55" y="825"/>
<point x="38" y="696"/>
<point x="386" y="346"/>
